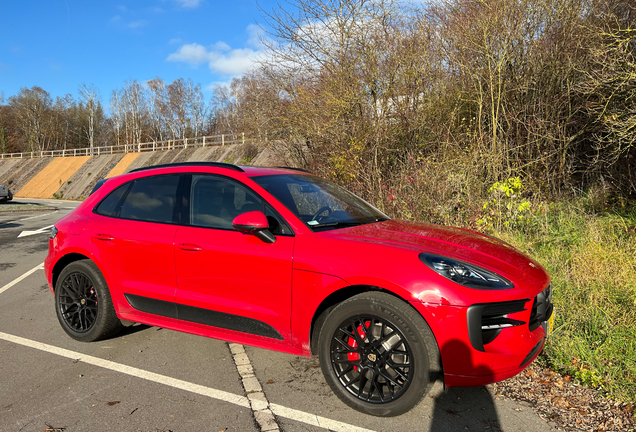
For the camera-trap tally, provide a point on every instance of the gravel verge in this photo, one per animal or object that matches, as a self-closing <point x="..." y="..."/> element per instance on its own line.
<point x="17" y="207"/>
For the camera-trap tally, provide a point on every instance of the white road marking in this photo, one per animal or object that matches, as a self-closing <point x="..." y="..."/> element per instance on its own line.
<point x="279" y="410"/>
<point x="29" y="218"/>
<point x="129" y="370"/>
<point x="315" y="420"/>
<point x="258" y="400"/>
<point x="38" y="231"/>
<point x="21" y="278"/>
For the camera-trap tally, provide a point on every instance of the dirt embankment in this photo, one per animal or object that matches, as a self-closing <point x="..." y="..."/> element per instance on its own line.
<point x="74" y="177"/>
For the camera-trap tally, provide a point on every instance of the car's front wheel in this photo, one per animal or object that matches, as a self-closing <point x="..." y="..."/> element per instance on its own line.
<point x="83" y="303"/>
<point x="374" y="353"/>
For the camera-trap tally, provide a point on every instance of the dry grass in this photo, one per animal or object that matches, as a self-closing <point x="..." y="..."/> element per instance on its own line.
<point x="592" y="260"/>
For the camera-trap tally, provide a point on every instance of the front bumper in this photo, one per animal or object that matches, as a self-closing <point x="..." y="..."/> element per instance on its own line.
<point x="474" y="354"/>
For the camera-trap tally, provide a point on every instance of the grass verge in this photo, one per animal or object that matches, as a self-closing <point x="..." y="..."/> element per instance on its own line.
<point x="592" y="261"/>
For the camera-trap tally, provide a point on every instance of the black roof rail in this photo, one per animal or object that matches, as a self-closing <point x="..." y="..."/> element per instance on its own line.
<point x="295" y="169"/>
<point x="98" y="185"/>
<point x="179" y="164"/>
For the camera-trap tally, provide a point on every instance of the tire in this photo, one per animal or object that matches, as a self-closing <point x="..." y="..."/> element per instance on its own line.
<point x="83" y="304"/>
<point x="381" y="380"/>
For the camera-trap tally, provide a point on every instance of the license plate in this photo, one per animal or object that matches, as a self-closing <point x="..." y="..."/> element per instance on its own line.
<point x="550" y="325"/>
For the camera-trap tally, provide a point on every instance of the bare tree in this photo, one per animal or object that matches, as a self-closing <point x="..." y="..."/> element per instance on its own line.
<point x="90" y="99"/>
<point x="116" y="110"/>
<point x="135" y="112"/>
<point x="32" y="107"/>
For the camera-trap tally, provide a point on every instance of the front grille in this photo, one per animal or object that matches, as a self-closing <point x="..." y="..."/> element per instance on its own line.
<point x="486" y="321"/>
<point x="541" y="308"/>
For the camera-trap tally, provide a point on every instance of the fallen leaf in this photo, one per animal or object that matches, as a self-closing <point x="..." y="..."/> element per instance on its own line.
<point x="270" y="381"/>
<point x="112" y="403"/>
<point x="559" y="401"/>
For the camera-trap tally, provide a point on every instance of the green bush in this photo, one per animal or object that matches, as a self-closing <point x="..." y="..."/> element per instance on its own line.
<point x="592" y="260"/>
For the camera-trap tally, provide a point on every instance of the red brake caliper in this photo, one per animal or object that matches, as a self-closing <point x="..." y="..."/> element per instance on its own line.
<point x="352" y="356"/>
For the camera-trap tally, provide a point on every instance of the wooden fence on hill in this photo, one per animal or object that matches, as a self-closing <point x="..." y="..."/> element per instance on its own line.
<point x="171" y="144"/>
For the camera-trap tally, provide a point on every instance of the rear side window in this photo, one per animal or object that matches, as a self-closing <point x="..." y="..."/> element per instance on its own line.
<point x="152" y="199"/>
<point x="110" y="205"/>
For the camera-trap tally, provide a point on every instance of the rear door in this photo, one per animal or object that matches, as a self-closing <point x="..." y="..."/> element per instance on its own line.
<point x="133" y="242"/>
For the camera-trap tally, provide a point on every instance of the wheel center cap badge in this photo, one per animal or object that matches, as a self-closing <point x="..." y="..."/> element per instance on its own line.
<point x="83" y="301"/>
<point x="372" y="357"/>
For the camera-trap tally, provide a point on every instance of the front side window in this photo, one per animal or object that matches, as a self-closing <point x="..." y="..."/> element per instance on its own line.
<point x="152" y="199"/>
<point x="215" y="201"/>
<point x="319" y="203"/>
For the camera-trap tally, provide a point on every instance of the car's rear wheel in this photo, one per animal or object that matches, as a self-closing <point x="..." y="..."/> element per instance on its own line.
<point x="83" y="303"/>
<point x="374" y="353"/>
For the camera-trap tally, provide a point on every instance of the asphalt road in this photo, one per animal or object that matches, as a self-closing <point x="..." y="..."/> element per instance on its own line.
<point x="152" y="379"/>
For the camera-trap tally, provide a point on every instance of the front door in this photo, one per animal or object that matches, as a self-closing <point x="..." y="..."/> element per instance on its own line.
<point x="225" y="279"/>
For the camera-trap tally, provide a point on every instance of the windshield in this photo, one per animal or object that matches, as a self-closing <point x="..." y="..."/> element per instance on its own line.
<point x="320" y="203"/>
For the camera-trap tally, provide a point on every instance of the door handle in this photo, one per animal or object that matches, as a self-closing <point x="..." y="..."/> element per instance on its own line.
<point x="189" y="247"/>
<point x="104" y="237"/>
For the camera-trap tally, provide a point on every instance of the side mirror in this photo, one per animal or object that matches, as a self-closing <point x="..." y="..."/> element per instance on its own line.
<point x="254" y="222"/>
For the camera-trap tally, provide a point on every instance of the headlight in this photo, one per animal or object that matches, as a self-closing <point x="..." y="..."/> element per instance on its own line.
<point x="465" y="274"/>
<point x="53" y="232"/>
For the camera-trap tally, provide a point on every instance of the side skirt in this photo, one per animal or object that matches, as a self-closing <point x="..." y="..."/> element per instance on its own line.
<point x="202" y="316"/>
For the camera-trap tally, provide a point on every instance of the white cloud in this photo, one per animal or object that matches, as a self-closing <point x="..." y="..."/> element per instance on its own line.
<point x="136" y="24"/>
<point x="193" y="54"/>
<point x="254" y="33"/>
<point x="220" y="57"/>
<point x="235" y="62"/>
<point x="190" y="4"/>
<point x="221" y="46"/>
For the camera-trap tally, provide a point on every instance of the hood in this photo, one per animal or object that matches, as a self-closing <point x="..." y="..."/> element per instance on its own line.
<point x="458" y="243"/>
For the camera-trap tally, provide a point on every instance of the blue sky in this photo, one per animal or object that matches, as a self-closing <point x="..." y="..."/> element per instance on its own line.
<point x="61" y="44"/>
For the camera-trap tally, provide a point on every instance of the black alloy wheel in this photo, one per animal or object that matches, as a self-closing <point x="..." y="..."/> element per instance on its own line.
<point x="78" y="302"/>
<point x="83" y="304"/>
<point x="371" y="359"/>
<point x="377" y="354"/>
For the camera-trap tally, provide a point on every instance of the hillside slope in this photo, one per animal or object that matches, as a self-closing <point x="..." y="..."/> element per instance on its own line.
<point x="74" y="177"/>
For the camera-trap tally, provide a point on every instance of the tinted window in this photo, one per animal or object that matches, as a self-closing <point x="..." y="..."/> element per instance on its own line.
<point x="110" y="205"/>
<point x="320" y="203"/>
<point x="276" y="223"/>
<point x="152" y="199"/>
<point x="215" y="201"/>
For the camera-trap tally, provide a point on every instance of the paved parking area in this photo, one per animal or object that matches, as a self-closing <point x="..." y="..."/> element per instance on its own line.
<point x="152" y="379"/>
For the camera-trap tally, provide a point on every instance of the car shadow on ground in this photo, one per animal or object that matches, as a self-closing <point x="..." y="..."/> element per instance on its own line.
<point x="131" y="329"/>
<point x="464" y="408"/>
<point x="9" y="225"/>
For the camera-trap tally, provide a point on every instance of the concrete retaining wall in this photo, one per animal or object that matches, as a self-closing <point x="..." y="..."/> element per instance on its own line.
<point x="74" y="177"/>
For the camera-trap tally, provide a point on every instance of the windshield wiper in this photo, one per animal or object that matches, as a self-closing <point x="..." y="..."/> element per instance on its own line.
<point x="338" y="224"/>
<point x="348" y="224"/>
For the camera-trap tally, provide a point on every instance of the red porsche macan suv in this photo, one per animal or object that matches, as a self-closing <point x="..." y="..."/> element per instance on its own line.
<point x="279" y="258"/>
